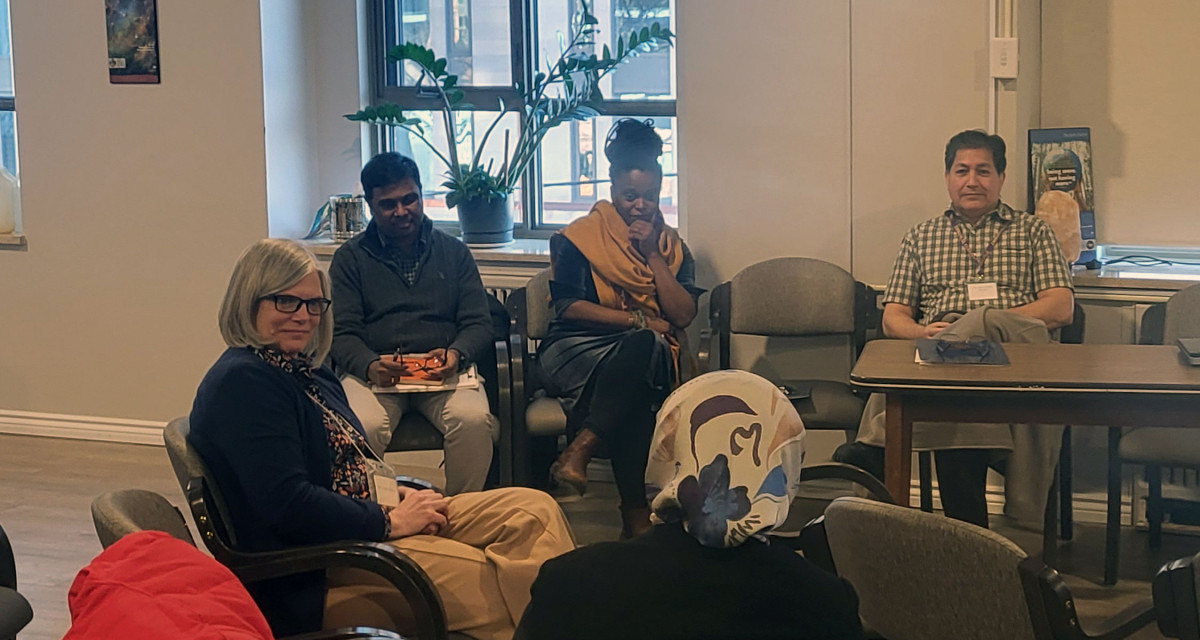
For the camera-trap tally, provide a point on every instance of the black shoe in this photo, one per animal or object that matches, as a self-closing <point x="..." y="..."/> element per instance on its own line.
<point x="863" y="456"/>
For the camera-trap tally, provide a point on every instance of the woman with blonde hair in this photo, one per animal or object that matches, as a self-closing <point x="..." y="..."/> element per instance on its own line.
<point x="291" y="460"/>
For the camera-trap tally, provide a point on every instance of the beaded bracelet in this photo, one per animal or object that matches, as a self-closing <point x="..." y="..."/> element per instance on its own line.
<point x="638" y="318"/>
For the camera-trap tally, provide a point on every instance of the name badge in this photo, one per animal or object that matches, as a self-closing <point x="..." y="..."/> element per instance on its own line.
<point x="977" y="291"/>
<point x="383" y="489"/>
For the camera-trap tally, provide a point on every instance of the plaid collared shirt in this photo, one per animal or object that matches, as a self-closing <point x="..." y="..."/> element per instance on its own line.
<point x="933" y="267"/>
<point x="407" y="263"/>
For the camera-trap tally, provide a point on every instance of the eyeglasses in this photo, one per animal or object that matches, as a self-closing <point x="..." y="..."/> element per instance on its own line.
<point x="291" y="304"/>
<point x="421" y="365"/>
<point x="973" y="348"/>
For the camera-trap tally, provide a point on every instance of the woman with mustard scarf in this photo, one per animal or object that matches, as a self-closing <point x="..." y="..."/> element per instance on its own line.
<point x="623" y="284"/>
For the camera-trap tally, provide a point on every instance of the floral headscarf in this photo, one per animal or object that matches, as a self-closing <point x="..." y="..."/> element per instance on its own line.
<point x="725" y="458"/>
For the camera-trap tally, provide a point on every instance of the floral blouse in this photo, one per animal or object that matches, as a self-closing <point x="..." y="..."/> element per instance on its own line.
<point x="347" y="446"/>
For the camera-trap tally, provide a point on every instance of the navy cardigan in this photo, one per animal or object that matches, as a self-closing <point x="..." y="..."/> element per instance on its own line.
<point x="265" y="443"/>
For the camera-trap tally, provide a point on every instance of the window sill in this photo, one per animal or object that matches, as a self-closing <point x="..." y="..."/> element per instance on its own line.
<point x="13" y="242"/>
<point x="533" y="252"/>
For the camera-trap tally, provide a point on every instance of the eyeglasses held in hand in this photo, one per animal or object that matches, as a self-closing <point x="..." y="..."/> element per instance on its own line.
<point x="291" y="304"/>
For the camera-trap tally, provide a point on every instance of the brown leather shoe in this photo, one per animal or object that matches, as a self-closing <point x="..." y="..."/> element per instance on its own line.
<point x="571" y="467"/>
<point x="634" y="521"/>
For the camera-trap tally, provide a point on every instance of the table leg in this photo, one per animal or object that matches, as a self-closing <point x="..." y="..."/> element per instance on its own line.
<point x="1112" y="529"/>
<point x="898" y="450"/>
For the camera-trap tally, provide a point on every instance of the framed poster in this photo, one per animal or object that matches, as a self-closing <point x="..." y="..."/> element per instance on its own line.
<point x="1061" y="190"/>
<point x="132" y="41"/>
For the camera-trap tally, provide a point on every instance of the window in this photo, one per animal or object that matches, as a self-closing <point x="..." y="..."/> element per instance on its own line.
<point x="9" y="216"/>
<point x="491" y="43"/>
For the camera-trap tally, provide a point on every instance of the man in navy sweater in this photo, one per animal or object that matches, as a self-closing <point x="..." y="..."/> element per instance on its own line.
<point x="403" y="285"/>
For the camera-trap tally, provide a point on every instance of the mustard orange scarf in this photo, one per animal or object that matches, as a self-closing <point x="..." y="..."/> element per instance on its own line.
<point x="623" y="280"/>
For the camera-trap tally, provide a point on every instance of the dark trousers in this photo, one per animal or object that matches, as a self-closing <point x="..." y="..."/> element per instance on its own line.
<point x="619" y="404"/>
<point x="962" y="483"/>
<point x="962" y="477"/>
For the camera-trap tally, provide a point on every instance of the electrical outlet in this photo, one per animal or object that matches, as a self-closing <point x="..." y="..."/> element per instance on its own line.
<point x="1004" y="58"/>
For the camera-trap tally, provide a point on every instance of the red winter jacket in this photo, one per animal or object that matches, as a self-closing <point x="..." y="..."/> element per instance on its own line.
<point x="151" y="585"/>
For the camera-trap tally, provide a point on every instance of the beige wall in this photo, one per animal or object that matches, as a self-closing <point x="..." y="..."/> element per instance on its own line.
<point x="764" y="125"/>
<point x="137" y="200"/>
<point x="807" y="128"/>
<point x="920" y="76"/>
<point x="1127" y="69"/>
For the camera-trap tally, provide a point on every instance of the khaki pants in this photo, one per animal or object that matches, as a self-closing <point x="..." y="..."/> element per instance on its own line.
<point x="462" y="415"/>
<point x="482" y="565"/>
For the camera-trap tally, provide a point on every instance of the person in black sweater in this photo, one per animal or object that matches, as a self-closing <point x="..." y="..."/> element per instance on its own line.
<point x="724" y="466"/>
<point x="403" y="284"/>
<point x="292" y="462"/>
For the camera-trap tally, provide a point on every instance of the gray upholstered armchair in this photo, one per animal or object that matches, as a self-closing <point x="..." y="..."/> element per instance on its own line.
<point x="798" y="297"/>
<point x="1152" y="447"/>
<point x="534" y="415"/>
<point x="920" y="575"/>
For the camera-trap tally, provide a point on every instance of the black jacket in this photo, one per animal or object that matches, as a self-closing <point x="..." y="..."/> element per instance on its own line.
<point x="266" y="445"/>
<point x="664" y="585"/>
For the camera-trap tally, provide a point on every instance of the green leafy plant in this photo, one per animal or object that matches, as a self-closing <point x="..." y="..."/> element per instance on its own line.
<point x="569" y="89"/>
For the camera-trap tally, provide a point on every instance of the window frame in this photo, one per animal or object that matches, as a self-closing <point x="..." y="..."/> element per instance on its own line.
<point x="383" y="29"/>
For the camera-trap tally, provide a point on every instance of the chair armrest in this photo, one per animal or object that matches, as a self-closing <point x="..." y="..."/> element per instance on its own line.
<point x="1053" y="612"/>
<point x="505" y="410"/>
<point x="381" y="559"/>
<point x="849" y="472"/>
<point x="349" y="633"/>
<point x="15" y="612"/>
<point x="704" y="355"/>
<point x="518" y="430"/>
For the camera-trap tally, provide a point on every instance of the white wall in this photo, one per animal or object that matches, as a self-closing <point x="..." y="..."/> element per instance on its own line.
<point x="1127" y="69"/>
<point x="137" y="200"/>
<point x="312" y="75"/>
<point x="289" y="86"/>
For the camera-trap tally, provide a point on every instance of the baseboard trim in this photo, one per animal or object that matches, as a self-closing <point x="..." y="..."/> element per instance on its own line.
<point x="72" y="427"/>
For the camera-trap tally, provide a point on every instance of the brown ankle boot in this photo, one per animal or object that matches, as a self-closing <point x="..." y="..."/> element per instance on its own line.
<point x="571" y="467"/>
<point x="634" y="521"/>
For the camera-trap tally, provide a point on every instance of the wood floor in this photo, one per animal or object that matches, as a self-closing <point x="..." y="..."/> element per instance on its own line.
<point x="47" y="485"/>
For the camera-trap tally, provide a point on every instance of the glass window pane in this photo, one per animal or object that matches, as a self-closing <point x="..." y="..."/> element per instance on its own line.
<point x="470" y="128"/>
<point x="472" y="35"/>
<point x="6" y="73"/>
<point x="575" y="171"/>
<point x="650" y="76"/>
<point x="8" y="141"/>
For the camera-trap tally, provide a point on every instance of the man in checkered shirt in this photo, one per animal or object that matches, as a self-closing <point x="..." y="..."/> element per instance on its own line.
<point x="978" y="253"/>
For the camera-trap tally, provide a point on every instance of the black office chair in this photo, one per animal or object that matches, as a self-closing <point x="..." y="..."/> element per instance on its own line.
<point x="210" y="515"/>
<point x="15" y="611"/>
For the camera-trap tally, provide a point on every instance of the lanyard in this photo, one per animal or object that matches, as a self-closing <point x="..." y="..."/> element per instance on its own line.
<point x="979" y="261"/>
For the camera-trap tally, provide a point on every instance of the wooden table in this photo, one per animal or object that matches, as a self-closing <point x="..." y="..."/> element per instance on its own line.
<point x="1077" y="384"/>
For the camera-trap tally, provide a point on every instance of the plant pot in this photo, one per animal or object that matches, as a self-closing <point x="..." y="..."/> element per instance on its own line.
<point x="485" y="223"/>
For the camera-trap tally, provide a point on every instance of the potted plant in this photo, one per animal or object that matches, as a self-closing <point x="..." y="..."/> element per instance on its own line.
<point x="568" y="90"/>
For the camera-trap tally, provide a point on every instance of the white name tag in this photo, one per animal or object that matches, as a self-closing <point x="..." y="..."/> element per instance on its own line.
<point x="977" y="291"/>
<point x="383" y="489"/>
